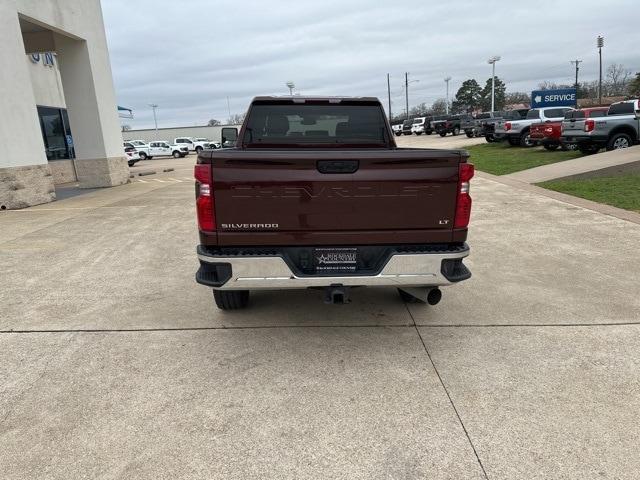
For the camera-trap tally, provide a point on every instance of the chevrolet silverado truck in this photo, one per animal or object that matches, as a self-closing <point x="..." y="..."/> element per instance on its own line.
<point x="316" y="194"/>
<point x="549" y="134"/>
<point x="619" y="128"/>
<point x="518" y="131"/>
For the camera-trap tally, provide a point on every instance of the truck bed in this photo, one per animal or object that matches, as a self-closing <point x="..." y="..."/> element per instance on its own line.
<point x="307" y="196"/>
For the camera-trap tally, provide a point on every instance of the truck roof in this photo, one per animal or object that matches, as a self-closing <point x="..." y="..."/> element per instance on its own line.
<point x="305" y="98"/>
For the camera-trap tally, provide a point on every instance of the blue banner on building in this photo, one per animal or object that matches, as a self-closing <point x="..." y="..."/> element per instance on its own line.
<point x="564" y="97"/>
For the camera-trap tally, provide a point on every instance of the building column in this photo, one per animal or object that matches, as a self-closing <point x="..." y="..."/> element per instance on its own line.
<point x="25" y="178"/>
<point x="91" y="106"/>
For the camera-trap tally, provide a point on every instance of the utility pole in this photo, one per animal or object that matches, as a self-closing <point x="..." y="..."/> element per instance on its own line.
<point x="155" y="120"/>
<point x="492" y="61"/>
<point x="389" y="95"/>
<point x="577" y="63"/>
<point x="600" y="44"/>
<point x="406" y="93"/>
<point x="229" y="107"/>
<point x="447" y="105"/>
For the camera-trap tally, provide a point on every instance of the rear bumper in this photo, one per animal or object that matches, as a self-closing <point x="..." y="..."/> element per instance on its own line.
<point x="583" y="139"/>
<point x="272" y="272"/>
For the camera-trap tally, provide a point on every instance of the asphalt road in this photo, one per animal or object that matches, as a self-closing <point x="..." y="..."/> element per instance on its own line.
<point x="115" y="363"/>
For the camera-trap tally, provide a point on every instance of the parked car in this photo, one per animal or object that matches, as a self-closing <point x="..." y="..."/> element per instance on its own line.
<point x="406" y="126"/>
<point x="295" y="205"/>
<point x="518" y="132"/>
<point x="162" y="147"/>
<point x="397" y="129"/>
<point x="619" y="128"/>
<point x="132" y="154"/>
<point x="417" y="126"/>
<point x="193" y="144"/>
<point x="549" y="134"/>
<point x="430" y="125"/>
<point x="494" y="130"/>
<point x="450" y="125"/>
<point x="142" y="147"/>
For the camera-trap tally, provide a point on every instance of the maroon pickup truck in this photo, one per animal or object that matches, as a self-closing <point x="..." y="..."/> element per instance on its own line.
<point x="316" y="194"/>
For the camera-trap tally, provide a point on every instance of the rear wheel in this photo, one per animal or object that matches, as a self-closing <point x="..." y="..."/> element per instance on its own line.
<point x="176" y="154"/>
<point x="469" y="133"/>
<point x="525" y="140"/>
<point x="443" y="134"/>
<point x="418" y="133"/>
<point x="619" y="141"/>
<point x="231" y="299"/>
<point x="143" y="156"/>
<point x="131" y="163"/>
<point x="489" y="138"/>
<point x="198" y="149"/>
<point x="550" y="146"/>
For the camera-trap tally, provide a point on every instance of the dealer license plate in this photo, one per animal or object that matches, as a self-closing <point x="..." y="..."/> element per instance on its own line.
<point x="338" y="259"/>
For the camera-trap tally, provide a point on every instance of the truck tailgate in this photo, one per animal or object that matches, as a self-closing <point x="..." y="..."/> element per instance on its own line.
<point x="322" y="191"/>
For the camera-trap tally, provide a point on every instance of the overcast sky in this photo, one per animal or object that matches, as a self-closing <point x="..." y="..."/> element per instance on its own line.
<point x="189" y="56"/>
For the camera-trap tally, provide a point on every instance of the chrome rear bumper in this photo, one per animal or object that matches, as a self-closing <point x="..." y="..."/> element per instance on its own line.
<point x="272" y="272"/>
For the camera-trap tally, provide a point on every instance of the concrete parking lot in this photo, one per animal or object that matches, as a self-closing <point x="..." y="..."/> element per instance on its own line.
<point x="116" y="364"/>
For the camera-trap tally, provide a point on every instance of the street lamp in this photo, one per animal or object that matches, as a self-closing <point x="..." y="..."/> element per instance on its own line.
<point x="600" y="44"/>
<point x="447" y="105"/>
<point x="406" y="91"/>
<point x="155" y="120"/>
<point x="492" y="61"/>
<point x="291" y="86"/>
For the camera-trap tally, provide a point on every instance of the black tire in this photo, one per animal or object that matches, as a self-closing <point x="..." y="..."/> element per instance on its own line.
<point x="550" y="146"/>
<point x="131" y="163"/>
<point x="525" y="140"/>
<point x="398" y="134"/>
<point x="619" y="141"/>
<point x="489" y="138"/>
<point x="176" y="154"/>
<point x="428" y="133"/>
<point x="198" y="149"/>
<point x="143" y="156"/>
<point x="588" y="149"/>
<point x="443" y="134"/>
<point x="418" y="133"/>
<point x="149" y="158"/>
<point x="231" y="299"/>
<point x="469" y="134"/>
<point x="456" y="131"/>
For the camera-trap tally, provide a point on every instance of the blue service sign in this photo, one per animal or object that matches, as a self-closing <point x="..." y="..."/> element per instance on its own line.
<point x="564" y="97"/>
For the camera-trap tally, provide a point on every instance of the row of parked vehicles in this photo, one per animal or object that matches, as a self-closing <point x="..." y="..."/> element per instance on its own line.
<point x="137" y="150"/>
<point x="587" y="129"/>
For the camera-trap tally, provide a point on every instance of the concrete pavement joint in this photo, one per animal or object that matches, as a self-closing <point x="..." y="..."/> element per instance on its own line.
<point x="275" y="327"/>
<point x="426" y="350"/>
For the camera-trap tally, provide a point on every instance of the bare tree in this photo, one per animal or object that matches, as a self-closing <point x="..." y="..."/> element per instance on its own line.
<point x="213" y="122"/>
<point x="439" y="107"/>
<point x="512" y="98"/>
<point x="235" y="119"/>
<point x="618" y="78"/>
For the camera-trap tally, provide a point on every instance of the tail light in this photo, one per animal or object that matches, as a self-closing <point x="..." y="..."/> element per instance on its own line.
<point x="507" y="126"/>
<point x="548" y="130"/>
<point x="589" y="125"/>
<point x="463" y="202"/>
<point x="204" y="198"/>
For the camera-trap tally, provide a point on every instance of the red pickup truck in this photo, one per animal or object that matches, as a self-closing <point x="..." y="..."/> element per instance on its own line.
<point x="316" y="194"/>
<point x="548" y="134"/>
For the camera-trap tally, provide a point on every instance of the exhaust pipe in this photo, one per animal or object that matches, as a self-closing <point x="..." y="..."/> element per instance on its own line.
<point x="434" y="296"/>
<point x="336" y="295"/>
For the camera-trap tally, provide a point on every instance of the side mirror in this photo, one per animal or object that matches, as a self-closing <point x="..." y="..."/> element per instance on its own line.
<point x="229" y="136"/>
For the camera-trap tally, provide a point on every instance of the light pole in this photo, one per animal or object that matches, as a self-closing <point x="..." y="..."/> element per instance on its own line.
<point x="389" y="95"/>
<point x="291" y="86"/>
<point x="600" y="44"/>
<point x="406" y="92"/>
<point x="577" y="63"/>
<point x="492" y="61"/>
<point x="155" y="120"/>
<point x="447" y="105"/>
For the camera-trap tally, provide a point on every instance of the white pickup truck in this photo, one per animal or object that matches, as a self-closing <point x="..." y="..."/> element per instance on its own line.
<point x="517" y="131"/>
<point x="193" y="144"/>
<point x="161" y="147"/>
<point x="142" y="148"/>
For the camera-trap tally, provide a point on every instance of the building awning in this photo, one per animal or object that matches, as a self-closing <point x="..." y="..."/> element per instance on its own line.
<point x="125" y="112"/>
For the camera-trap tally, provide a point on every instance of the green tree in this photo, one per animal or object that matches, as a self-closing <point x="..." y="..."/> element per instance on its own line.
<point x="633" y="89"/>
<point x="468" y="96"/>
<point x="500" y="95"/>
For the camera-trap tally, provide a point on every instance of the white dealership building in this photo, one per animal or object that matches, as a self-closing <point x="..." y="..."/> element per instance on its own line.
<point x="60" y="123"/>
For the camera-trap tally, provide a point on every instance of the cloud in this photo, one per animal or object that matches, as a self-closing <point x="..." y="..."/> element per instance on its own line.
<point x="189" y="57"/>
